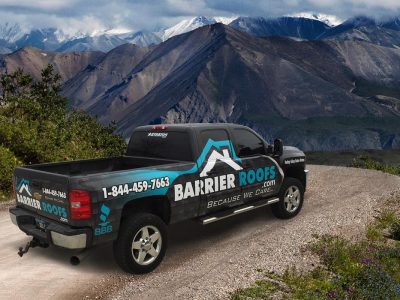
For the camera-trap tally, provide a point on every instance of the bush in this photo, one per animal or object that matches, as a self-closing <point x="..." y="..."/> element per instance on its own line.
<point x="359" y="270"/>
<point x="8" y="162"/>
<point x="36" y="126"/>
<point x="366" y="162"/>
<point x="395" y="230"/>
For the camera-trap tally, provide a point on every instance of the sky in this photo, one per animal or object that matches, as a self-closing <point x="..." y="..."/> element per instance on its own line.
<point x="127" y="15"/>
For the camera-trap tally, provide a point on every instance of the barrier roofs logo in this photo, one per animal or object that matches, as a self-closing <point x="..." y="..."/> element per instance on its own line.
<point x="218" y="156"/>
<point x="220" y="151"/>
<point x="24" y="185"/>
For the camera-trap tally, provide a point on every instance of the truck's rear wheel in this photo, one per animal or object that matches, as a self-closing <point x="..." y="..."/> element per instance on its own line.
<point x="291" y="196"/>
<point x="141" y="243"/>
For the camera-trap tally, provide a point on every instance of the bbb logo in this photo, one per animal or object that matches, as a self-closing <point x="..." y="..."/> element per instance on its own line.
<point x="24" y="186"/>
<point x="104" y="226"/>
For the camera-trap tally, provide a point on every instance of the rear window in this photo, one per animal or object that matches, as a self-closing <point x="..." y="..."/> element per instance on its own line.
<point x="161" y="144"/>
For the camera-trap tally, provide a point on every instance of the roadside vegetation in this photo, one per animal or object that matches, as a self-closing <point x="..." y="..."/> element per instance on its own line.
<point x="387" y="161"/>
<point x="346" y="158"/>
<point x="366" y="162"/>
<point x="368" y="268"/>
<point x="36" y="126"/>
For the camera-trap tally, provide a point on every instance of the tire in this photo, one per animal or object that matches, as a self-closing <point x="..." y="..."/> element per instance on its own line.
<point x="136" y="251"/>
<point x="291" y="198"/>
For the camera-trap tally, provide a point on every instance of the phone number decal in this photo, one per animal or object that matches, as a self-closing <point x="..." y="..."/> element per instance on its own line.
<point x="136" y="187"/>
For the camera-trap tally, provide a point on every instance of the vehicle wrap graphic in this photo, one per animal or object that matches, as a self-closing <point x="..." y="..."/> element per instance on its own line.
<point x="27" y="196"/>
<point x="24" y="194"/>
<point x="104" y="225"/>
<point x="195" y="180"/>
<point x="24" y="185"/>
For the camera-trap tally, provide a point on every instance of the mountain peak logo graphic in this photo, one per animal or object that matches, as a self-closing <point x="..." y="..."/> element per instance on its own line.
<point x="24" y="185"/>
<point x="218" y="156"/>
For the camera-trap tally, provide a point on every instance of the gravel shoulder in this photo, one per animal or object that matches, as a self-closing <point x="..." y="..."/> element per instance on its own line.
<point x="209" y="262"/>
<point x="44" y="273"/>
<point x="202" y="262"/>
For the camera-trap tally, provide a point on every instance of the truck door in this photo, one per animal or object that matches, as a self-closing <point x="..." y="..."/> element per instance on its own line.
<point x="218" y="167"/>
<point x="261" y="175"/>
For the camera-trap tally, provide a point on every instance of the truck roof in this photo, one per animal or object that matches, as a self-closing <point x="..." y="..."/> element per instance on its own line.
<point x="186" y="126"/>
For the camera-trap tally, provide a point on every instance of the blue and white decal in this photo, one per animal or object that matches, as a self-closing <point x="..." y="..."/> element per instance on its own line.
<point x="159" y="182"/>
<point x="104" y="225"/>
<point x="26" y="196"/>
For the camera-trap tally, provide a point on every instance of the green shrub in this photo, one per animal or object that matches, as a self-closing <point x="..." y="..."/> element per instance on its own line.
<point x="349" y="270"/>
<point x="374" y="282"/>
<point x="8" y="162"/>
<point x="395" y="230"/>
<point x="36" y="125"/>
<point x="366" y="162"/>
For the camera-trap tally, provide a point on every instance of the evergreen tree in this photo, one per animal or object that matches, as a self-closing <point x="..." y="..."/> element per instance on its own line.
<point x="36" y="125"/>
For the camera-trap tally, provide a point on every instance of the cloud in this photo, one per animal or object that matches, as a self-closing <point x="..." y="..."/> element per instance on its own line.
<point x="342" y="8"/>
<point x="45" y="5"/>
<point x="91" y="15"/>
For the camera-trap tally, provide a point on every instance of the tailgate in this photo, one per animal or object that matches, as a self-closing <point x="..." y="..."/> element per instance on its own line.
<point x="43" y="193"/>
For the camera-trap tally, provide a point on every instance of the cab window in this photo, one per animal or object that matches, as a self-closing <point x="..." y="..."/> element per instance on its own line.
<point x="214" y="134"/>
<point x="247" y="143"/>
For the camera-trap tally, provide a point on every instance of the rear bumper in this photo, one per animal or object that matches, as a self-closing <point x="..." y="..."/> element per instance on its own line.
<point x="51" y="233"/>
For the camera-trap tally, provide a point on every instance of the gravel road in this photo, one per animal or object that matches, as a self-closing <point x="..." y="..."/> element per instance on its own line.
<point x="203" y="262"/>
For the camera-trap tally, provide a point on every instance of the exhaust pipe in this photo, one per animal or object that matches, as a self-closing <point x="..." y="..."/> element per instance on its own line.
<point x="74" y="260"/>
<point x="78" y="258"/>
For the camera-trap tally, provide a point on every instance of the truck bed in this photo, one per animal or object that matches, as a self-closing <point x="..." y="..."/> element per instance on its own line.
<point x="100" y="165"/>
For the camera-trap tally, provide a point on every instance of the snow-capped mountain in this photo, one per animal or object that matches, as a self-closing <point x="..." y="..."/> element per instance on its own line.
<point x="45" y="39"/>
<point x="10" y="33"/>
<point x="225" y="20"/>
<point x="186" y="26"/>
<point x="102" y="43"/>
<point x="301" y="28"/>
<point x="142" y="38"/>
<point x="392" y="23"/>
<point x="304" y="25"/>
<point x="329" y="20"/>
<point x="350" y="24"/>
<point x="12" y="37"/>
<point x="359" y="21"/>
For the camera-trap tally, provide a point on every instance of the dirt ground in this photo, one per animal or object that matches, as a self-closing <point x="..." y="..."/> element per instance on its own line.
<point x="202" y="262"/>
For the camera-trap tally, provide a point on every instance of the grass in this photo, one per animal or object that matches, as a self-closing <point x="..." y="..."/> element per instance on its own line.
<point x="366" y="162"/>
<point x="364" y="269"/>
<point x="346" y="158"/>
<point x="387" y="161"/>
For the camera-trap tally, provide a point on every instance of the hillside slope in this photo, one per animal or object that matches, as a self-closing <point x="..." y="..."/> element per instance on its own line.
<point x="217" y="74"/>
<point x="318" y="95"/>
<point x="94" y="80"/>
<point x="33" y="61"/>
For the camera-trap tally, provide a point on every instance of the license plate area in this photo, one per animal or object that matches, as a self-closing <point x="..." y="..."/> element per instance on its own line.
<point x="41" y="224"/>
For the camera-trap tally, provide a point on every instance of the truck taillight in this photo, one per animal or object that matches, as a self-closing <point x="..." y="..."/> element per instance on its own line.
<point x="159" y="127"/>
<point x="80" y="205"/>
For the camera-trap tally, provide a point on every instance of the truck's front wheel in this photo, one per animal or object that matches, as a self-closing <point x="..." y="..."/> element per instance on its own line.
<point x="291" y="196"/>
<point x="141" y="243"/>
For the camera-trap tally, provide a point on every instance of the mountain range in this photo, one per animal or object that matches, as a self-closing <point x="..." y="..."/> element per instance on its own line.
<point x="302" y="26"/>
<point x="13" y="37"/>
<point x="317" y="86"/>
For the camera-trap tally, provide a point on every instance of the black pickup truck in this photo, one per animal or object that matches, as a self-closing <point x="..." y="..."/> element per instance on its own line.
<point x="170" y="173"/>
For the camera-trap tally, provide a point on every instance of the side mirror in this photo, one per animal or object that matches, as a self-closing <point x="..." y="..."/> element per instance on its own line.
<point x="270" y="149"/>
<point x="278" y="147"/>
